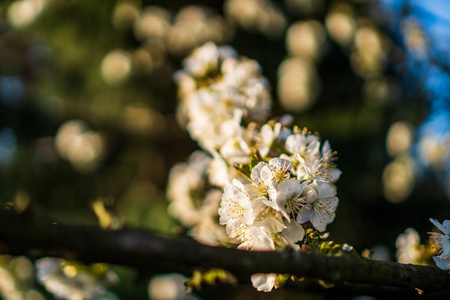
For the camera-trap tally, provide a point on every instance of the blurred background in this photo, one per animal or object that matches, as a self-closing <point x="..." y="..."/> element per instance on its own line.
<point x="89" y="133"/>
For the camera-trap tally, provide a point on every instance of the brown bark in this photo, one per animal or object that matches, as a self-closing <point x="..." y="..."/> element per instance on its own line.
<point x="151" y="252"/>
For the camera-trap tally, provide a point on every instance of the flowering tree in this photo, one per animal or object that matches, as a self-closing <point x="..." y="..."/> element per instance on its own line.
<point x="277" y="181"/>
<point x="91" y="149"/>
<point x="263" y="186"/>
<point x="275" y="178"/>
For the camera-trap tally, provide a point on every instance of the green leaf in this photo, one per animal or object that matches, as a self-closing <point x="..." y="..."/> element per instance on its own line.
<point x="254" y="159"/>
<point x="325" y="284"/>
<point x="295" y="278"/>
<point x="210" y="277"/>
<point x="280" y="280"/>
<point x="243" y="169"/>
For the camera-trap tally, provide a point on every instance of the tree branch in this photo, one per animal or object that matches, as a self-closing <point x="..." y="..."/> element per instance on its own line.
<point x="150" y="252"/>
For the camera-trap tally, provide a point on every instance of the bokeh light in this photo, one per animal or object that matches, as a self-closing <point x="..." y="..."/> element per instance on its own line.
<point x="399" y="138"/>
<point x="153" y="22"/>
<point x="116" y="67"/>
<point x="170" y="287"/>
<point x="144" y="121"/>
<point x="83" y="148"/>
<point x="22" y="13"/>
<point x="16" y="279"/>
<point x="194" y="25"/>
<point x="399" y="179"/>
<point x="306" y="39"/>
<point x="257" y="15"/>
<point x="424" y="33"/>
<point x="368" y="57"/>
<point x="298" y="84"/>
<point x="340" y="23"/>
<point x="125" y="14"/>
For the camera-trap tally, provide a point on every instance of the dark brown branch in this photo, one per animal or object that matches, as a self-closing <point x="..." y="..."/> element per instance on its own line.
<point x="152" y="252"/>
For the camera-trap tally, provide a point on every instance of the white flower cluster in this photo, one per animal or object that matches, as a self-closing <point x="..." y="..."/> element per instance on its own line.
<point x="409" y="249"/>
<point x="66" y="281"/>
<point x="442" y="243"/>
<point x="217" y="91"/>
<point x="267" y="211"/>
<point x="274" y="178"/>
<point x="193" y="201"/>
<point x="276" y="200"/>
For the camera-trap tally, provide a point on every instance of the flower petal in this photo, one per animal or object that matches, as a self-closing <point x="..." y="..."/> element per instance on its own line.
<point x="263" y="282"/>
<point x="293" y="232"/>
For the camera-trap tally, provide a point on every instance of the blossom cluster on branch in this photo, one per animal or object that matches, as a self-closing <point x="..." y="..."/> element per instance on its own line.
<point x="437" y="248"/>
<point x="411" y="251"/>
<point x="274" y="177"/>
<point x="218" y="91"/>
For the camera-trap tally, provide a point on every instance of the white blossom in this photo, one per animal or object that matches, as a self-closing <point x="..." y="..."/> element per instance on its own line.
<point x="442" y="261"/>
<point x="206" y="59"/>
<point x="215" y="86"/>
<point x="287" y="196"/>
<point x="442" y="244"/>
<point x="408" y="244"/>
<point x="312" y="162"/>
<point x="266" y="137"/>
<point x="281" y="169"/>
<point x="292" y="234"/>
<point x="319" y="170"/>
<point x="255" y="238"/>
<point x="304" y="145"/>
<point x="219" y="171"/>
<point x="328" y="155"/>
<point x="235" y="148"/>
<point x="193" y="201"/>
<point x="236" y="209"/>
<point x="66" y="281"/>
<point x="263" y="282"/>
<point x="267" y="216"/>
<point x="186" y="180"/>
<point x="261" y="179"/>
<point x="441" y="240"/>
<point x="319" y="205"/>
<point x="209" y="232"/>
